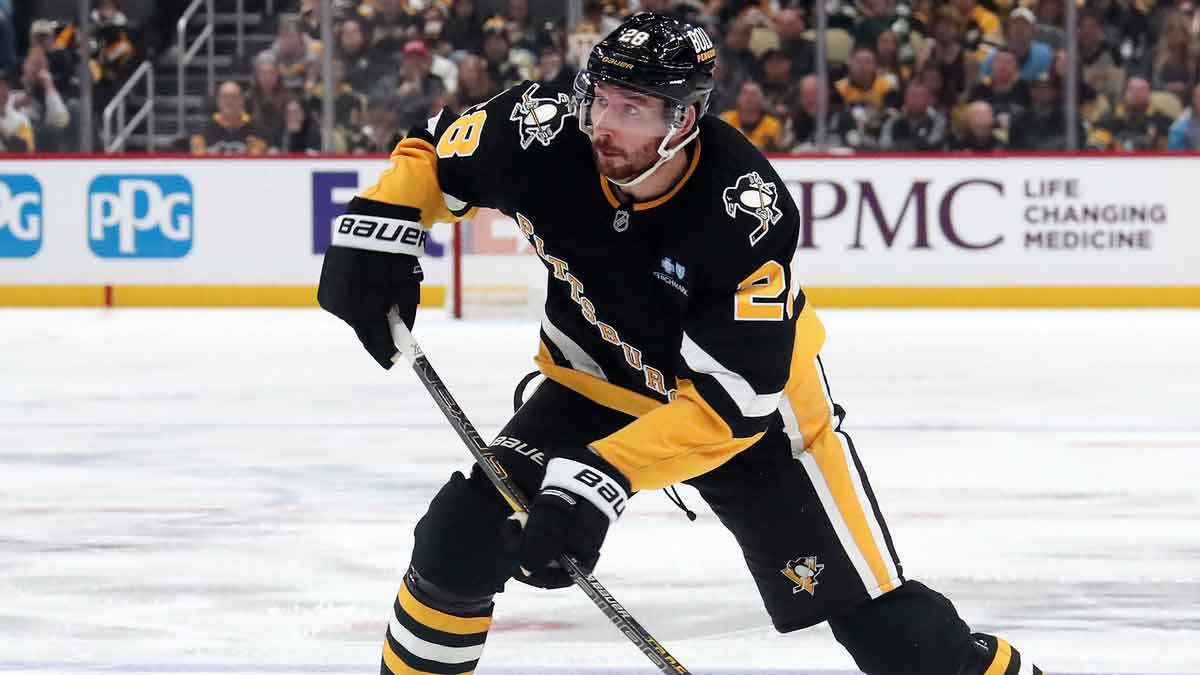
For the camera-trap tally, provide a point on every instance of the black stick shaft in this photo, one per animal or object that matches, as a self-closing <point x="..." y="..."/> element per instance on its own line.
<point x="599" y="595"/>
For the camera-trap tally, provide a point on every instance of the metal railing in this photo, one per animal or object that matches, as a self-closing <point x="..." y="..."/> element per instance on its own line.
<point x="116" y="109"/>
<point x="187" y="54"/>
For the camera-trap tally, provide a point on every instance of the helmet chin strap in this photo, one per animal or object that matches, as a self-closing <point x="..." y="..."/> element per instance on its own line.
<point x="664" y="155"/>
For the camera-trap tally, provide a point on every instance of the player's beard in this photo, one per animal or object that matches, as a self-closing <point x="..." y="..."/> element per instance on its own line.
<point x="624" y="165"/>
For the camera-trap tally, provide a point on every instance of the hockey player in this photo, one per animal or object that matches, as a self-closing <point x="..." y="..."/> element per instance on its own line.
<point x="677" y="347"/>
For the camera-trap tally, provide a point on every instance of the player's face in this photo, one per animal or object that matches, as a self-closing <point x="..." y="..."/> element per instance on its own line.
<point x="627" y="128"/>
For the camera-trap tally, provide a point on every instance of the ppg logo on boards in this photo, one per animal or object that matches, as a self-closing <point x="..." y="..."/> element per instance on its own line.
<point x="20" y="216"/>
<point x="141" y="216"/>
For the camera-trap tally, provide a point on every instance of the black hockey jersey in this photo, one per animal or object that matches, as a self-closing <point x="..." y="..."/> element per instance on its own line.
<point x="681" y="311"/>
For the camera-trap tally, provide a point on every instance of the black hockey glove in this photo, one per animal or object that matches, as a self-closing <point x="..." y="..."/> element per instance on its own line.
<point x="369" y="269"/>
<point x="581" y="496"/>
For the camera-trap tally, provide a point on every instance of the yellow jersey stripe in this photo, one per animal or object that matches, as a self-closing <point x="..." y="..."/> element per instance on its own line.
<point x="831" y="460"/>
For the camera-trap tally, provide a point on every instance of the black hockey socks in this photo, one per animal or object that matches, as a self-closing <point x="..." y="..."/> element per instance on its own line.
<point x="994" y="656"/>
<point x="433" y="632"/>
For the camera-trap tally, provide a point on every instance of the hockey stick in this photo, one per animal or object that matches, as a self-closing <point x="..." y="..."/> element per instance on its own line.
<point x="600" y="596"/>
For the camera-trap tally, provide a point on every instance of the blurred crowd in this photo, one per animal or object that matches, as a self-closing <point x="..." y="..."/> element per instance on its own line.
<point x="905" y="75"/>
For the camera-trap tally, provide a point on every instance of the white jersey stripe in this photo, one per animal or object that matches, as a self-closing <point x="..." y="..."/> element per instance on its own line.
<point x="791" y="426"/>
<point x="750" y="403"/>
<point x="576" y="356"/>
<point x="428" y="650"/>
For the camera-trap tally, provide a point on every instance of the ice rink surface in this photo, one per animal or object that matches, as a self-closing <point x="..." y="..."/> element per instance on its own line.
<point x="234" y="492"/>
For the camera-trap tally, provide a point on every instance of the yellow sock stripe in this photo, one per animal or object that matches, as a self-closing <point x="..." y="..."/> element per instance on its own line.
<point x="447" y="623"/>
<point x="398" y="667"/>
<point x="831" y="459"/>
<point x="1002" y="659"/>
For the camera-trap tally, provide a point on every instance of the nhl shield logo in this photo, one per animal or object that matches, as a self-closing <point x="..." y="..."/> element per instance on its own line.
<point x="540" y="118"/>
<point x="803" y="573"/>
<point x="752" y="195"/>
<point x="621" y="220"/>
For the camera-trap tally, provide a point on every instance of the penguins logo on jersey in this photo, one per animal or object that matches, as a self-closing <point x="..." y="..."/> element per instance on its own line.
<point x="803" y="572"/>
<point x="752" y="195"/>
<point x="539" y="118"/>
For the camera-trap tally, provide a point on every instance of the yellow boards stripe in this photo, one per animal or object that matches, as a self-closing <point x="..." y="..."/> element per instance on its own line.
<point x="396" y="666"/>
<point x="1002" y="659"/>
<point x="447" y="623"/>
<point x="831" y="459"/>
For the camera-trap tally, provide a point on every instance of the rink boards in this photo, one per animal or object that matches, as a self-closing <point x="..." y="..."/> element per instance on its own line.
<point x="894" y="231"/>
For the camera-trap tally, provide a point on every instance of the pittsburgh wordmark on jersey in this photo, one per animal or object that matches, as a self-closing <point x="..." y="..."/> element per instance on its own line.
<point x="633" y="356"/>
<point x="759" y="198"/>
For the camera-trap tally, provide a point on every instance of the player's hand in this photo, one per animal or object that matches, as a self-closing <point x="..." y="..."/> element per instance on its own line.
<point x="581" y="496"/>
<point x="360" y="287"/>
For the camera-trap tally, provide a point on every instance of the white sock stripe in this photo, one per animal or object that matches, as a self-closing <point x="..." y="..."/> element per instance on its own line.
<point x="561" y="473"/>
<point x="429" y="650"/>
<point x="839" y="524"/>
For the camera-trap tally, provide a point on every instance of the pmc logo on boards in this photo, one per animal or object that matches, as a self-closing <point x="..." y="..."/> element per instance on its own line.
<point x="143" y="216"/>
<point x="20" y="216"/>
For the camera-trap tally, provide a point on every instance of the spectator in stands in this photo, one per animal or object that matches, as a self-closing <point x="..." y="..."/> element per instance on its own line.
<point x="63" y="61"/>
<point x="779" y="83"/>
<point x="8" y="39"/>
<point x="1103" y="66"/>
<point x="946" y="52"/>
<point x="1050" y="24"/>
<point x="16" y="133"/>
<point x="980" y="25"/>
<point x="1091" y="104"/>
<point x="464" y="27"/>
<point x="552" y="70"/>
<point x="751" y="118"/>
<point x="864" y="86"/>
<point x="887" y="55"/>
<point x="300" y="132"/>
<point x="1174" y="65"/>
<point x="39" y="101"/>
<point x="349" y="105"/>
<point x="1043" y="126"/>
<point x="231" y="130"/>
<point x="932" y="78"/>
<point x="738" y="63"/>
<point x="1033" y="58"/>
<point x="475" y="84"/>
<point x="519" y="24"/>
<point x="296" y="54"/>
<point x="840" y="128"/>
<point x="980" y="134"/>
<point x="382" y="132"/>
<point x="267" y="95"/>
<point x="1185" y="132"/>
<point x="917" y="126"/>
<point x="107" y="13"/>
<point x="420" y="92"/>
<point x="1006" y="94"/>
<point x="363" y="68"/>
<point x="1134" y="125"/>
<point x="390" y="23"/>
<point x="789" y="26"/>
<point x="498" y="53"/>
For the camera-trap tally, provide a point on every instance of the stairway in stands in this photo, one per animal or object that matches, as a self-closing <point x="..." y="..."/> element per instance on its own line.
<point x="198" y="102"/>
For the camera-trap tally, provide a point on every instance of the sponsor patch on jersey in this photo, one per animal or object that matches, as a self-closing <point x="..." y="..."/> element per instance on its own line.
<point x="672" y="274"/>
<point x="541" y="118"/>
<point x="756" y="197"/>
<point x="803" y="572"/>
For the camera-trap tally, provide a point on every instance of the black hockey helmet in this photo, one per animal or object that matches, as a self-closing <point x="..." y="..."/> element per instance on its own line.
<point x="656" y="55"/>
